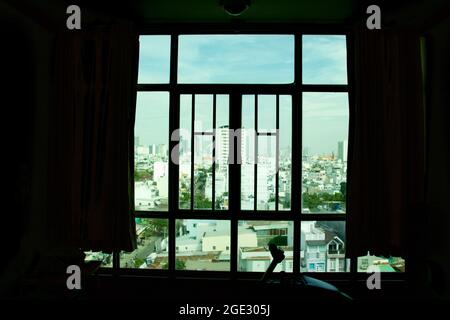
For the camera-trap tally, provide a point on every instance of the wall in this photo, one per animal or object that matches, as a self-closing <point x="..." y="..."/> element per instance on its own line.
<point x="25" y="61"/>
<point x="438" y="140"/>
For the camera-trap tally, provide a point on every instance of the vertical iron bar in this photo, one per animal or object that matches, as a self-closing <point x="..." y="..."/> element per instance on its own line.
<point x="174" y="124"/>
<point x="277" y="152"/>
<point x="255" y="171"/>
<point x="296" y="163"/>
<point x="192" y="150"/>
<point x="214" y="155"/>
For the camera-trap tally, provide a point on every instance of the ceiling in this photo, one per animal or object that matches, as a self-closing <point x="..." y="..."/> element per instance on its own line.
<point x="259" y="11"/>
<point x="144" y="12"/>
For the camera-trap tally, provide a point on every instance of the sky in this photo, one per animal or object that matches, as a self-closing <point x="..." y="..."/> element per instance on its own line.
<point x="248" y="59"/>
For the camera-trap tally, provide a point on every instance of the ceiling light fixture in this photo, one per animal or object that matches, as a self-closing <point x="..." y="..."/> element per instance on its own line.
<point x="235" y="7"/>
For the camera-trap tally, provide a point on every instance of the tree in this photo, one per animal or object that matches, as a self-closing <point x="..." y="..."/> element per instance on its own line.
<point x="138" y="262"/>
<point x="157" y="227"/>
<point x="344" y="189"/>
<point x="141" y="175"/>
<point x="179" y="265"/>
<point x="201" y="202"/>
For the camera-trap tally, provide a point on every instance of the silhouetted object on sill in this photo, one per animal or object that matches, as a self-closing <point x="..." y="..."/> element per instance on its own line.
<point x="305" y="286"/>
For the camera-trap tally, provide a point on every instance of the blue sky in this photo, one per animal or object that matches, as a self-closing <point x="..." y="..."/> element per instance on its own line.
<point x="248" y="59"/>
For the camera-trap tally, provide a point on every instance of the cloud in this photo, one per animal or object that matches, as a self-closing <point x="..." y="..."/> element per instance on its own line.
<point x="324" y="59"/>
<point x="236" y="59"/>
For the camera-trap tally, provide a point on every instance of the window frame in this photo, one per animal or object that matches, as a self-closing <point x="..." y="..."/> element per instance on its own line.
<point x="235" y="92"/>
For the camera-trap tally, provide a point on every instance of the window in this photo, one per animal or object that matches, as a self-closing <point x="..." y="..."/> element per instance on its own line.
<point x="370" y="263"/>
<point x="105" y="258"/>
<point x="236" y="59"/>
<point x="240" y="141"/>
<point x="206" y="246"/>
<point x="151" y="159"/>
<point x="152" y="246"/>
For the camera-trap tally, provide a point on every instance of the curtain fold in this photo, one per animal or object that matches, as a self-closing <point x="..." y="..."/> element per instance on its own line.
<point x="386" y="143"/>
<point x="91" y="161"/>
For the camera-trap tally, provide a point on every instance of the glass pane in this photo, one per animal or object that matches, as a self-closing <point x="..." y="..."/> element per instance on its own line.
<point x="185" y="152"/>
<point x="222" y="151"/>
<point x="152" y="246"/>
<point x="324" y="158"/>
<point x="285" y="155"/>
<point x="248" y="152"/>
<point x="266" y="173"/>
<point x="151" y="151"/>
<point x="370" y="263"/>
<point x="203" y="112"/>
<point x="267" y="112"/>
<point x="203" y="172"/>
<point x="322" y="247"/>
<point x="324" y="59"/>
<point x="236" y="59"/>
<point x="253" y="241"/>
<point x="154" y="59"/>
<point x="105" y="258"/>
<point x="203" y="245"/>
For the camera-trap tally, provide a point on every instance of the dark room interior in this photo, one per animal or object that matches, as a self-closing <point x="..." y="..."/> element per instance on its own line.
<point x="226" y="152"/>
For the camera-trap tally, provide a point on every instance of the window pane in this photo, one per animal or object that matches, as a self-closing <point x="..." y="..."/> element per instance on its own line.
<point x="265" y="148"/>
<point x="154" y="59"/>
<point x="266" y="170"/>
<point x="267" y="112"/>
<point x="248" y="152"/>
<point x="324" y="59"/>
<point x="105" y="258"/>
<point x="322" y="247"/>
<point x="203" y="245"/>
<point x="324" y="158"/>
<point x="371" y="264"/>
<point x="203" y="172"/>
<point x="152" y="246"/>
<point x="203" y="113"/>
<point x="253" y="241"/>
<point x="222" y="151"/>
<point x="236" y="59"/>
<point x="151" y="151"/>
<point x="185" y="151"/>
<point x="204" y="157"/>
<point x="285" y="154"/>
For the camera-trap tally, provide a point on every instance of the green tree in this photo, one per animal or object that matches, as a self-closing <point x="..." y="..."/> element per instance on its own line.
<point x="138" y="262"/>
<point x="201" y="202"/>
<point x="344" y="189"/>
<point x="141" y="175"/>
<point x="156" y="227"/>
<point x="179" y="265"/>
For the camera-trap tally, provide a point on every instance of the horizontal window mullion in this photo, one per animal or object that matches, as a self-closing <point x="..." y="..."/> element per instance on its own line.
<point x="154" y="87"/>
<point x="323" y="217"/>
<point x="247" y="28"/>
<point x="151" y="214"/>
<point x="241" y="88"/>
<point x="324" y="88"/>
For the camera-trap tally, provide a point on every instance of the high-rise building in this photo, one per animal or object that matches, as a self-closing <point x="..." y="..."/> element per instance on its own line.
<point x="162" y="150"/>
<point x="223" y="146"/>
<point x="342" y="150"/>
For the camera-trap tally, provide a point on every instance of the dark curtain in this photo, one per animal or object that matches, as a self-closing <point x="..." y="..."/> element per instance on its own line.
<point x="91" y="139"/>
<point x="386" y="143"/>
